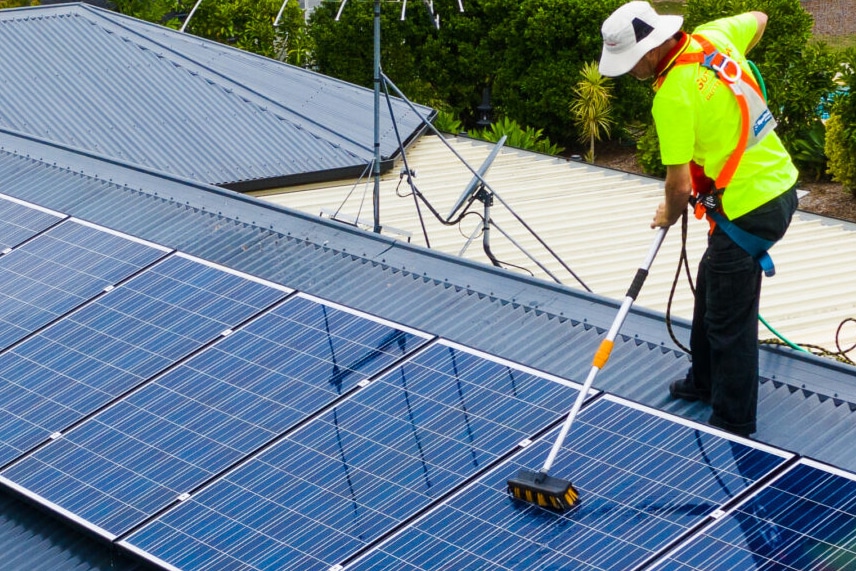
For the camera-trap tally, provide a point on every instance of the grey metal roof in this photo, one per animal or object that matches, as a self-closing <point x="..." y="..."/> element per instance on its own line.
<point x="95" y="80"/>
<point x="33" y="541"/>
<point x="807" y="403"/>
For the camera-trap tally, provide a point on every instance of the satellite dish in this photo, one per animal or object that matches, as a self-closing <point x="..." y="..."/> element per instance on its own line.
<point x="474" y="184"/>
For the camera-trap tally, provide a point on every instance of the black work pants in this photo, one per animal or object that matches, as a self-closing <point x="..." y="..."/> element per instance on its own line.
<point x="724" y="337"/>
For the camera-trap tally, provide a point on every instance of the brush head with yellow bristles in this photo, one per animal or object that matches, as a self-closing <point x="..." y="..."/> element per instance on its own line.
<point x="542" y="490"/>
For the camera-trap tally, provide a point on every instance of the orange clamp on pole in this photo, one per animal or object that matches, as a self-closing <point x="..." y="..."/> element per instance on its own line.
<point x="602" y="354"/>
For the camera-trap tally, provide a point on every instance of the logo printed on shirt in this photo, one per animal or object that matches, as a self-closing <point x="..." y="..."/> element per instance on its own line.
<point x="762" y="121"/>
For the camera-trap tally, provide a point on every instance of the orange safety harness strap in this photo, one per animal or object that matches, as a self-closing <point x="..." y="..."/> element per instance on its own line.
<point x="729" y="72"/>
<point x="708" y="192"/>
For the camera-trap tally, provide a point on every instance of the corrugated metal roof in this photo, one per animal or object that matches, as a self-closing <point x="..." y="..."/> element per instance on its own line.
<point x="597" y="221"/>
<point x="108" y="84"/>
<point x="33" y="541"/>
<point x="807" y="404"/>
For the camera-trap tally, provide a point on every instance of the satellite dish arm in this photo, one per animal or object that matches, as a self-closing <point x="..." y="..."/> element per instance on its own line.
<point x="477" y="182"/>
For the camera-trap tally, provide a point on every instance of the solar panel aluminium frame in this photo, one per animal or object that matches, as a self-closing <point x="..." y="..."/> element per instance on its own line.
<point x="433" y="341"/>
<point x="715" y="520"/>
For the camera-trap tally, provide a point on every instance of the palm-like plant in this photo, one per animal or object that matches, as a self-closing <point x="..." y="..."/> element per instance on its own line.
<point x="590" y="108"/>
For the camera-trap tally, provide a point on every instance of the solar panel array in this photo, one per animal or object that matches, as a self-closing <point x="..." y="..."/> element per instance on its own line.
<point x="204" y="419"/>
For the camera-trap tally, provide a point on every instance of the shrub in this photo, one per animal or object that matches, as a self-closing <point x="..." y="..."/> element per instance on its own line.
<point x="841" y="127"/>
<point x="519" y="137"/>
<point x="591" y="108"/>
<point x="447" y="122"/>
<point x="648" y="147"/>
<point x="807" y="151"/>
<point x="841" y="150"/>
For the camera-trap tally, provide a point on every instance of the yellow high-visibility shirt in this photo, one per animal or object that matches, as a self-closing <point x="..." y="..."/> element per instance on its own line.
<point x="697" y="117"/>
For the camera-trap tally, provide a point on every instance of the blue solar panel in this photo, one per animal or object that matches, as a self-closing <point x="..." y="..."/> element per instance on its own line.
<point x="60" y="269"/>
<point x="112" y="344"/>
<point x="805" y="519"/>
<point x="19" y="222"/>
<point x="644" y="482"/>
<point x="362" y="468"/>
<point x="199" y="418"/>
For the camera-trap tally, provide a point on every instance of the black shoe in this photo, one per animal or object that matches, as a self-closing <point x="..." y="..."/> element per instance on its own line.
<point x="743" y="430"/>
<point x="684" y="389"/>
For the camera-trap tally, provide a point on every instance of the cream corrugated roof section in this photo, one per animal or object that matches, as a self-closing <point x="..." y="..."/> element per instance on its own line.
<point x="597" y="221"/>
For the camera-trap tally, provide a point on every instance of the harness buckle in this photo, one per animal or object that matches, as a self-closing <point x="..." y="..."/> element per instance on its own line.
<point x="726" y="68"/>
<point x="711" y="201"/>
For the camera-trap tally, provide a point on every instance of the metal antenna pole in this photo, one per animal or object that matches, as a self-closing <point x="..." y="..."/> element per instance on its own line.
<point x="378" y="77"/>
<point x="376" y="193"/>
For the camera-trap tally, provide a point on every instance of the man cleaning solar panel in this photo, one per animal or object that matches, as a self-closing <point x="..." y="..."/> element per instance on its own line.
<point x="720" y="150"/>
<point x="722" y="155"/>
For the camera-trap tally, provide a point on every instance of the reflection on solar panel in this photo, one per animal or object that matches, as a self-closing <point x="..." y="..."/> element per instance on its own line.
<point x="806" y="519"/>
<point x="199" y="418"/>
<point x="19" y="222"/>
<point x="644" y="481"/>
<point x="101" y="351"/>
<point x="360" y="469"/>
<point x="60" y="269"/>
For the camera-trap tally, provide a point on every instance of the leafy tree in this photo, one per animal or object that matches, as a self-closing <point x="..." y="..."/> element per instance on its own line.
<point x="528" y="52"/>
<point x="345" y="48"/>
<point x="246" y="24"/>
<point x="458" y="61"/>
<point x="544" y="44"/>
<point x="17" y="3"/>
<point x="159" y="11"/>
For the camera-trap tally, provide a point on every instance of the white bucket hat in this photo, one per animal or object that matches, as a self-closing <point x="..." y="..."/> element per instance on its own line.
<point x="631" y="32"/>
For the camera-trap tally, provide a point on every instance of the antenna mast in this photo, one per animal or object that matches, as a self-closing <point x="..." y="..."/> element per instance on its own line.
<point x="376" y="161"/>
<point x="377" y="83"/>
<point x="376" y="166"/>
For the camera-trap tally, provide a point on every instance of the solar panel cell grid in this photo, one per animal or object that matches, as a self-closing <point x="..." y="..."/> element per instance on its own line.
<point x="60" y="269"/>
<point x="641" y="487"/>
<point x="356" y="472"/>
<point x="201" y="417"/>
<point x="85" y="360"/>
